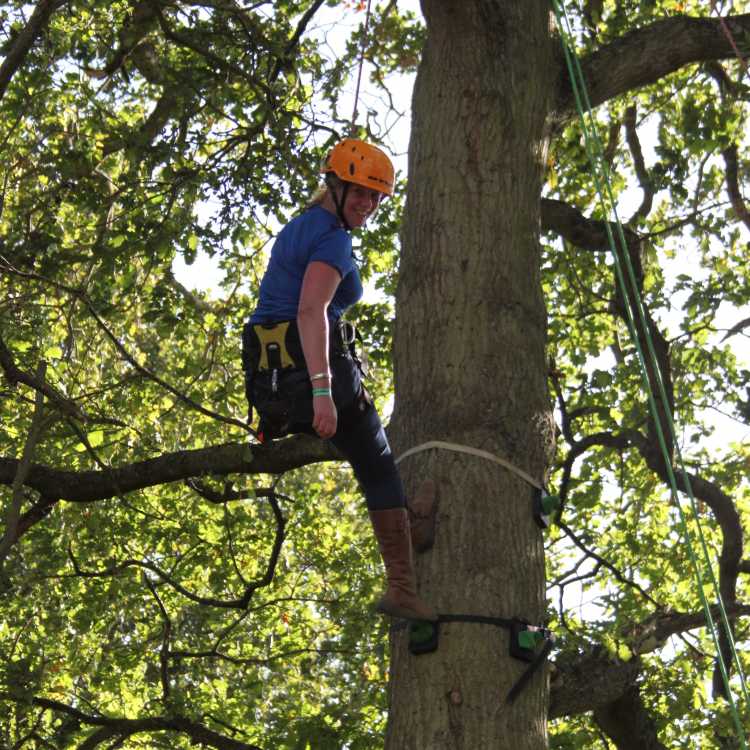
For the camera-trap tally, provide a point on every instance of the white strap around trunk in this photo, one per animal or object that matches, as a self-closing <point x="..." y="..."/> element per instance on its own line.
<point x="474" y="452"/>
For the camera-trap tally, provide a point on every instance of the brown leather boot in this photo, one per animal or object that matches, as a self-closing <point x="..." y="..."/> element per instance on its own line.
<point x="422" y="516"/>
<point x="400" y="599"/>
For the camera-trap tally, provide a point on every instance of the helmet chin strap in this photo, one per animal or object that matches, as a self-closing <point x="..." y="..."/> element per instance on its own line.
<point x="339" y="202"/>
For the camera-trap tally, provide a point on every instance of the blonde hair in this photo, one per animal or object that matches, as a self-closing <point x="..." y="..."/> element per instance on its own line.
<point x="332" y="181"/>
<point x="318" y="196"/>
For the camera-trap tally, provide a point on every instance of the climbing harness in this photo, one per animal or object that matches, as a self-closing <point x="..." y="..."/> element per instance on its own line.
<point x="525" y="641"/>
<point x="544" y="504"/>
<point x="634" y="309"/>
<point x="277" y="382"/>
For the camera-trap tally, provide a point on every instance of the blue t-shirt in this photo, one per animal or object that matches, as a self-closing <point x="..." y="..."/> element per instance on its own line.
<point x="313" y="235"/>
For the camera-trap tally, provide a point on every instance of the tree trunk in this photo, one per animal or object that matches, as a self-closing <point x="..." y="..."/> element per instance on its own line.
<point x="470" y="367"/>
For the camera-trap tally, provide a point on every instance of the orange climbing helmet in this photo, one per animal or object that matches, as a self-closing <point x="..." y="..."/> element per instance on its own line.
<point x="362" y="163"/>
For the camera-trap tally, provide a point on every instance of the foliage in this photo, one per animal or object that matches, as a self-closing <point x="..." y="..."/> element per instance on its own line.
<point x="136" y="134"/>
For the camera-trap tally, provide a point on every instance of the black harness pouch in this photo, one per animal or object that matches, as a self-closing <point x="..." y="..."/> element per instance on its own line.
<point x="276" y="379"/>
<point x="277" y="382"/>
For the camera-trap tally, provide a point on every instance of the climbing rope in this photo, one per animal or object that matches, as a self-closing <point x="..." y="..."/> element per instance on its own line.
<point x="363" y="45"/>
<point x="635" y="308"/>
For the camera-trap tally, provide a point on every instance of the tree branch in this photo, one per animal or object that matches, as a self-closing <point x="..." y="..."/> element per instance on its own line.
<point x="54" y="485"/>
<point x="184" y="40"/>
<point x="737" y="328"/>
<point x="241" y="602"/>
<point x="587" y="234"/>
<point x="580" y="683"/>
<point x="15" y="374"/>
<point x="294" y="40"/>
<point x="652" y="634"/>
<point x="117" y="726"/>
<point x="5" y="265"/>
<point x="24" y="465"/>
<point x="25" y="39"/>
<point x="606" y="564"/>
<point x="648" y="54"/>
<point x="276" y="457"/>
<point x="166" y="637"/>
<point x="644" y="179"/>
<point x="733" y="185"/>
<point x="627" y="722"/>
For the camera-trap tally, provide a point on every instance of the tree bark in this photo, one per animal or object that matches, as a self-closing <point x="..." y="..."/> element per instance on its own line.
<point x="470" y="366"/>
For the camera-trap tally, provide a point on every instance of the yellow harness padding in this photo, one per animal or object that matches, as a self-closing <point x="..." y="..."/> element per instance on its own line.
<point x="273" y="339"/>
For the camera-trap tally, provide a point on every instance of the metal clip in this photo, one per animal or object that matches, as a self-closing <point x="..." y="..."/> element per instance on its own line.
<point x="275" y="381"/>
<point x="348" y="332"/>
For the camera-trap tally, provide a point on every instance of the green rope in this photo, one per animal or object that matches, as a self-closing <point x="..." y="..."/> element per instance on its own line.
<point x="594" y="151"/>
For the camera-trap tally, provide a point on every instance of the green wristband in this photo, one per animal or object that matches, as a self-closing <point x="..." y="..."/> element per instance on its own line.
<point x="321" y="391"/>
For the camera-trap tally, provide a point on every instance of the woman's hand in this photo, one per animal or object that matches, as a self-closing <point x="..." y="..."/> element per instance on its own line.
<point x="325" y="418"/>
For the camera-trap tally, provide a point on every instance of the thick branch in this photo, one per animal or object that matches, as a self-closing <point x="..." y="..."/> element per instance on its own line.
<point x="587" y="234"/>
<point x="135" y="29"/>
<point x="646" y="55"/>
<point x="231" y="458"/>
<point x="653" y="633"/>
<point x="627" y="722"/>
<point x="91" y="486"/>
<point x="597" y="680"/>
<point x="164" y="109"/>
<point x="582" y="683"/>
<point x="25" y="39"/>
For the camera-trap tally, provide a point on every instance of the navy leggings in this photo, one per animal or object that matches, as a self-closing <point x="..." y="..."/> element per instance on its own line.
<point x="359" y="435"/>
<point x="361" y="439"/>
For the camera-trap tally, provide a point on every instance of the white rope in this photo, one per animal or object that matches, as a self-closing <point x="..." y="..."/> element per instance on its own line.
<point x="473" y="452"/>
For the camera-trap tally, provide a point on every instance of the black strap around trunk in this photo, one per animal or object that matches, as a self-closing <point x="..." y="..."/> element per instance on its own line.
<point x="515" y="626"/>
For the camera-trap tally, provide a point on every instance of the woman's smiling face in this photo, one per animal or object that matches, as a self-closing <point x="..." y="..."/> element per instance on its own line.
<point x="360" y="204"/>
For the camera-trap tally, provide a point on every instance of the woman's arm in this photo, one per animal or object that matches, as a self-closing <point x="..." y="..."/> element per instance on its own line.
<point x="318" y="287"/>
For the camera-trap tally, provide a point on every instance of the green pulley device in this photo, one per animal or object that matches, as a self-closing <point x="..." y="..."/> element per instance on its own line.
<point x="423" y="636"/>
<point x="525" y="641"/>
<point x="525" y="638"/>
<point x="544" y="506"/>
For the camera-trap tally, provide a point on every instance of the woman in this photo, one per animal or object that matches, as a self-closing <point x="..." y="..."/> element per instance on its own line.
<point x="302" y="375"/>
